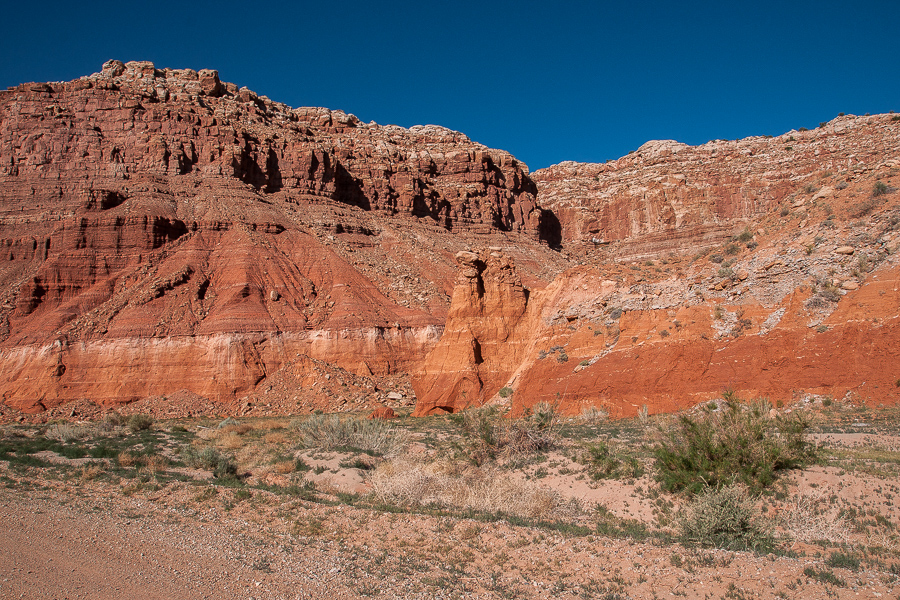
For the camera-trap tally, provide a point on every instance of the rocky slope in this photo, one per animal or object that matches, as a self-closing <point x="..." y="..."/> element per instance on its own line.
<point x="175" y="242"/>
<point x="161" y="230"/>
<point x="668" y="196"/>
<point x="792" y="295"/>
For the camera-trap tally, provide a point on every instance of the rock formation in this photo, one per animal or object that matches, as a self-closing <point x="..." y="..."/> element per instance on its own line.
<point x="473" y="359"/>
<point x="163" y="230"/>
<point x="799" y="300"/>
<point x="666" y="196"/>
<point x="167" y="238"/>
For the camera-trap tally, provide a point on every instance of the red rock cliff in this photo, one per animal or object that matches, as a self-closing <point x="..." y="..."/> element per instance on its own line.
<point x="163" y="230"/>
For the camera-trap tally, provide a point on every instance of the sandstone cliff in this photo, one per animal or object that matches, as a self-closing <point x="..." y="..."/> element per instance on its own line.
<point x="795" y="296"/>
<point x="162" y="230"/>
<point x="666" y="196"/>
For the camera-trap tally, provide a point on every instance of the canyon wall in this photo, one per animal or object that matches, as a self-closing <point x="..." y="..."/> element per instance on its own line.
<point x="792" y="292"/>
<point x="161" y="230"/>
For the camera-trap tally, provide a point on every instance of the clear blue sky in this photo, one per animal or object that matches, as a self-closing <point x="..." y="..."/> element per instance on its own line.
<point x="548" y="81"/>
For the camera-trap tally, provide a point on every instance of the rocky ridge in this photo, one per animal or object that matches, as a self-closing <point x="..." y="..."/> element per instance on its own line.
<point x="163" y="230"/>
<point x="799" y="299"/>
<point x="174" y="242"/>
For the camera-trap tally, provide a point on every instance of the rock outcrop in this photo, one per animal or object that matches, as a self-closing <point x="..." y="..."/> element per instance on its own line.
<point x="800" y="301"/>
<point x="666" y="196"/>
<point x="473" y="358"/>
<point x="164" y="230"/>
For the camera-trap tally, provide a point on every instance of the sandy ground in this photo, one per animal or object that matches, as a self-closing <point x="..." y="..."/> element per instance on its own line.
<point x="89" y="541"/>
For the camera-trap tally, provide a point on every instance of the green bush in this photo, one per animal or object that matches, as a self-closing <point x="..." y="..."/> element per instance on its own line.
<point x="140" y="422"/>
<point x="725" y="517"/>
<point x="734" y="443"/>
<point x="880" y="189"/>
<point x="824" y="576"/>
<point x="505" y="392"/>
<point x="839" y="560"/>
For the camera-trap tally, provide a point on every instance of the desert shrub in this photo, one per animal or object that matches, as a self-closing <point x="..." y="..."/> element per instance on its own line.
<point x="111" y="421"/>
<point x="608" y="462"/>
<point x="716" y="258"/>
<point x="461" y="486"/>
<point x="505" y="392"/>
<point x="824" y="576"/>
<point x="736" y="443"/>
<point x="880" y="189"/>
<point x="139" y="422"/>
<point x="222" y="465"/>
<point x="725" y="517"/>
<point x="592" y="413"/>
<point x="827" y="292"/>
<point x="374" y="436"/>
<point x="487" y="435"/>
<point x="840" y="560"/>
<point x="745" y="236"/>
<point x="615" y="313"/>
<point x="810" y="518"/>
<point x="64" y="432"/>
<point x="732" y="249"/>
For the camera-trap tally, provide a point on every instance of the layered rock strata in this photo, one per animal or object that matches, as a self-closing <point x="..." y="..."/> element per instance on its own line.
<point x="163" y="230"/>
<point x="666" y="195"/>
<point x="805" y="306"/>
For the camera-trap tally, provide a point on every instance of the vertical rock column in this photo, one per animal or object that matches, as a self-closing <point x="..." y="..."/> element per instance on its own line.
<point x="473" y="358"/>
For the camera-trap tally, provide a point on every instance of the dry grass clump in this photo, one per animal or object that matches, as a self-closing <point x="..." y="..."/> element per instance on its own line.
<point x="488" y="435"/>
<point x="456" y="485"/>
<point x="592" y="414"/>
<point x="275" y="437"/>
<point x="92" y="471"/>
<point x="230" y="440"/>
<point x="367" y="435"/>
<point x="811" y="518"/>
<point x="65" y="432"/>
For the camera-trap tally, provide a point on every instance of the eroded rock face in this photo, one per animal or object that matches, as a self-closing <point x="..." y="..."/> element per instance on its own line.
<point x="790" y="315"/>
<point x="475" y="354"/>
<point x="666" y="196"/>
<point x="163" y="230"/>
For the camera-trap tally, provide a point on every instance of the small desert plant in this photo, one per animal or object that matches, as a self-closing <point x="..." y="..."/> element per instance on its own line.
<point x="745" y="236"/>
<point x="725" y="517"/>
<point x="374" y="436"/>
<point x="209" y="458"/>
<point x="824" y="576"/>
<point x="737" y="443"/>
<point x="487" y="435"/>
<point x="505" y="392"/>
<point x="606" y="461"/>
<point x="808" y="518"/>
<point x="111" y="421"/>
<point x="880" y="189"/>
<point x="592" y="413"/>
<point x="64" y="432"/>
<point x="140" y="422"/>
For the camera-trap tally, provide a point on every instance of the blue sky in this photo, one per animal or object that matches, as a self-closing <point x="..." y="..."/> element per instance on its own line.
<point x="549" y="81"/>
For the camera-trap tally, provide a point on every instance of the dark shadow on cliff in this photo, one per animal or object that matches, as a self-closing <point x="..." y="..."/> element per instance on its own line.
<point x="550" y="229"/>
